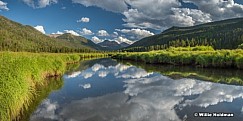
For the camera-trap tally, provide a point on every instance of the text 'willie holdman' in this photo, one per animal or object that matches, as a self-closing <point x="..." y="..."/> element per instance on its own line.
<point x="207" y="114"/>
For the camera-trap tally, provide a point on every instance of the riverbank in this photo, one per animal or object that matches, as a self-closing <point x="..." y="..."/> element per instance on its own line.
<point x="21" y="74"/>
<point x="223" y="76"/>
<point x="197" y="56"/>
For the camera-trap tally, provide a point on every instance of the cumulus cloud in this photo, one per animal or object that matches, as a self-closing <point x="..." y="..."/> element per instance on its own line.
<point x="74" y="74"/>
<point x="84" y="20"/>
<point x="87" y="75"/>
<point x="121" y="39"/>
<point x="3" y="6"/>
<point x="58" y="32"/>
<point x="86" y="86"/>
<point x="86" y="31"/>
<point x="40" y="3"/>
<point x="102" y="33"/>
<point x="40" y="29"/>
<point x="46" y="111"/>
<point x="109" y="5"/>
<point x="97" y="67"/>
<point x="167" y="13"/>
<point x="137" y="33"/>
<point x="219" y="9"/>
<point x="96" y="39"/>
<point x="71" y="32"/>
<point x="44" y="3"/>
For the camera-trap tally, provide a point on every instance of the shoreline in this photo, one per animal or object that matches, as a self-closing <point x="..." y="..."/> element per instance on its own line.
<point x="21" y="73"/>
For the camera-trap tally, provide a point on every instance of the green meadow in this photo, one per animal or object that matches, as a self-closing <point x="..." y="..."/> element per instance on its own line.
<point x="22" y="74"/>
<point x="200" y="56"/>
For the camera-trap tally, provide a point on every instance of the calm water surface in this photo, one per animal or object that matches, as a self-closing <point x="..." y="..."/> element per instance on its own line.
<point x="106" y="90"/>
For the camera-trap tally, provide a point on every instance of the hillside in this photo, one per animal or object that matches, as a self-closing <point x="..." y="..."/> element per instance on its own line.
<point x="112" y="45"/>
<point x="80" y="41"/>
<point x="18" y="37"/>
<point x="226" y="34"/>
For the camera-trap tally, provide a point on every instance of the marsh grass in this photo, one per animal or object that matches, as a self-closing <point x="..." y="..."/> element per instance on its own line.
<point x="21" y="74"/>
<point x="198" y="56"/>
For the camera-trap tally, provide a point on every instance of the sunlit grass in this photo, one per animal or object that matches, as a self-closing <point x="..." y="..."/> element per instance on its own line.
<point x="21" y="73"/>
<point x="199" y="56"/>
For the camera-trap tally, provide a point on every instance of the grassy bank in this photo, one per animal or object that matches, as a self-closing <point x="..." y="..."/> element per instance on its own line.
<point x="225" y="76"/>
<point x="198" y="56"/>
<point x="22" y="73"/>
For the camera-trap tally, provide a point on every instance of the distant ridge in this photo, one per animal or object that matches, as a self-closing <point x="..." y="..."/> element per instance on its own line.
<point x="112" y="45"/>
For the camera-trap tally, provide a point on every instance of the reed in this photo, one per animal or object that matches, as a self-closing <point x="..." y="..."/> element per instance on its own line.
<point x="21" y="74"/>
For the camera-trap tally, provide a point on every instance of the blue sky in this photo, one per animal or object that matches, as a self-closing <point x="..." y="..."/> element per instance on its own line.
<point x="120" y="20"/>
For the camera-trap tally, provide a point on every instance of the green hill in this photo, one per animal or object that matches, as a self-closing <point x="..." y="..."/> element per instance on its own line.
<point x="79" y="41"/>
<point x="226" y="34"/>
<point x="18" y="37"/>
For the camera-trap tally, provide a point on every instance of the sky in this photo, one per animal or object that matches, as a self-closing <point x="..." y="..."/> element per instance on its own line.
<point x="117" y="20"/>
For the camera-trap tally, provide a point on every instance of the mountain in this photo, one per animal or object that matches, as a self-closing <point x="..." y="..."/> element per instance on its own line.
<point x="226" y="34"/>
<point x="18" y="37"/>
<point x="78" y="40"/>
<point x="123" y="44"/>
<point x="112" y="45"/>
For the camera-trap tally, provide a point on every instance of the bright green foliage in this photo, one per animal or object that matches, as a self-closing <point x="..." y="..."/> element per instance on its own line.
<point x="199" y="56"/>
<point x="21" y="73"/>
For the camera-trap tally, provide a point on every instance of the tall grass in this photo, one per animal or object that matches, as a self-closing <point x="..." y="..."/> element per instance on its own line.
<point x="198" y="56"/>
<point x="21" y="73"/>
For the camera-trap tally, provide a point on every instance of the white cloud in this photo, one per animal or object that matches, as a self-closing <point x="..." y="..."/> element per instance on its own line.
<point x="167" y="13"/>
<point x="102" y="33"/>
<point x="96" y="39"/>
<point x="86" y="86"/>
<point x="46" y="110"/>
<point x="115" y="33"/>
<point x="188" y="17"/>
<point x="138" y="33"/>
<point x="97" y="67"/>
<point x="123" y="39"/>
<point x="109" y="5"/>
<point x="58" y="32"/>
<point x="87" y="75"/>
<point x="41" y="3"/>
<point x="3" y="6"/>
<point x="103" y="73"/>
<point x="71" y="32"/>
<point x="40" y="28"/>
<point x="44" y="3"/>
<point x="86" y="31"/>
<point x="30" y="3"/>
<point x="84" y="20"/>
<point x="219" y="9"/>
<point x="74" y="74"/>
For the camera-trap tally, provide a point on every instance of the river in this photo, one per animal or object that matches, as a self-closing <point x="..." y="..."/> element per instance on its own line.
<point x="107" y="90"/>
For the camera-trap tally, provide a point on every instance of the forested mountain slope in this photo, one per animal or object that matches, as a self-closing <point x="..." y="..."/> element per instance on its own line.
<point x="18" y="37"/>
<point x="226" y="34"/>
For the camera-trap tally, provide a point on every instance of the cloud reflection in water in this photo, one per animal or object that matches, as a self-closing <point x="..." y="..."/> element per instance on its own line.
<point x="147" y="96"/>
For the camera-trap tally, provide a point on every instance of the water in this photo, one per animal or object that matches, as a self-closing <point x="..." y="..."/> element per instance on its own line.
<point x="106" y="90"/>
